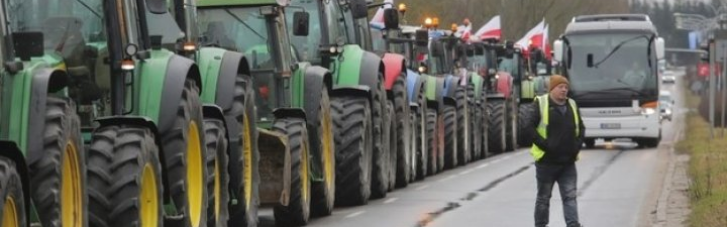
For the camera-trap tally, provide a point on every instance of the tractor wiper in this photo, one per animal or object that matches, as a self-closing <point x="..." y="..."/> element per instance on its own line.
<point x="90" y="9"/>
<point x="618" y="47"/>
<point x="243" y="23"/>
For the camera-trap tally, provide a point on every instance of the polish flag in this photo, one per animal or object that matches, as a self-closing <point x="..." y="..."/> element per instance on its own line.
<point x="533" y="37"/>
<point x="546" y="42"/>
<point x="491" y="30"/>
<point x="378" y="20"/>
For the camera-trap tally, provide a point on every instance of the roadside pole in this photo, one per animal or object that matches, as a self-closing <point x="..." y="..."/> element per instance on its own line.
<point x="711" y="87"/>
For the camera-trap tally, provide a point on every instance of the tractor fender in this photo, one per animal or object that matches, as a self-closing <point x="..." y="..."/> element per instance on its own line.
<point x="477" y="83"/>
<point x="395" y="66"/>
<point x="220" y="68"/>
<point x="280" y="113"/>
<point x="440" y="92"/>
<point x="414" y="85"/>
<point x="147" y="123"/>
<point x="504" y="84"/>
<point x="451" y="83"/>
<point x="45" y="81"/>
<point x="430" y="87"/>
<point x="449" y="101"/>
<point x="358" y="91"/>
<point x="356" y="67"/>
<point x="178" y="70"/>
<point x="11" y="151"/>
<point x="316" y="79"/>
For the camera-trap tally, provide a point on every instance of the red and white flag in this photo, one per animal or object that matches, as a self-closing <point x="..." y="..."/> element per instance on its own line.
<point x="377" y="21"/>
<point x="533" y="37"/>
<point x="491" y="30"/>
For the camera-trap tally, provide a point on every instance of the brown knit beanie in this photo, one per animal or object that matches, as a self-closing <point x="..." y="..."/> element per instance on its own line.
<point x="555" y="80"/>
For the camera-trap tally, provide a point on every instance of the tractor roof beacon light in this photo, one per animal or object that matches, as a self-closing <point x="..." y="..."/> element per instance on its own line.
<point x="428" y="22"/>
<point x="435" y="22"/>
<point x="402" y="8"/>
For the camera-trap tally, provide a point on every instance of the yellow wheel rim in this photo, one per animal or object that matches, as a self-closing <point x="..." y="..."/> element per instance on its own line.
<point x="10" y="213"/>
<point x="217" y="189"/>
<point x="247" y="168"/>
<point x="149" y="211"/>
<point x="195" y="169"/>
<point x="72" y="189"/>
<point x="328" y="158"/>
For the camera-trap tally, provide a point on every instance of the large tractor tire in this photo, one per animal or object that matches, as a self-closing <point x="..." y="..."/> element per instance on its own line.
<point x="185" y="154"/>
<point x="401" y="140"/>
<point x="323" y="193"/>
<point x="125" y="178"/>
<point x="432" y="151"/>
<point x="449" y="117"/>
<point x="218" y="178"/>
<point x="497" y="126"/>
<point x="512" y="126"/>
<point x="477" y="133"/>
<point x="420" y="135"/>
<point x="484" y="126"/>
<point x="392" y="162"/>
<point x="12" y="200"/>
<point x="463" y="126"/>
<point x="243" y="165"/>
<point x="381" y="121"/>
<point x="525" y="135"/>
<point x="58" y="177"/>
<point x="297" y="212"/>
<point x="353" y="142"/>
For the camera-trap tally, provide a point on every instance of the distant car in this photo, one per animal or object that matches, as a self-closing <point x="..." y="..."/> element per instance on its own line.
<point x="666" y="103"/>
<point x="668" y="79"/>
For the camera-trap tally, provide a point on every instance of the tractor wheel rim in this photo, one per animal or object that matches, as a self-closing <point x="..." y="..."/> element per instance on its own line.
<point x="328" y="168"/>
<point x="194" y="175"/>
<point x="72" y="189"/>
<point x="149" y="210"/>
<point x="247" y="168"/>
<point x="10" y="213"/>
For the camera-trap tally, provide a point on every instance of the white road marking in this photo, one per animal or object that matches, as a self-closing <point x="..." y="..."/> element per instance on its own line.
<point x="422" y="187"/>
<point x="482" y="166"/>
<point x="390" y="200"/>
<point x="446" y="178"/>
<point x="465" y="172"/>
<point x="355" y="214"/>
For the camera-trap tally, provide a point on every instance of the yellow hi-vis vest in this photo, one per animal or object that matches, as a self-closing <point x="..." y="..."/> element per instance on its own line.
<point x="542" y="128"/>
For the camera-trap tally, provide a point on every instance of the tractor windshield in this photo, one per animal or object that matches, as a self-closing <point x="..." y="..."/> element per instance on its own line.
<point x="67" y="25"/>
<point x="238" y="29"/>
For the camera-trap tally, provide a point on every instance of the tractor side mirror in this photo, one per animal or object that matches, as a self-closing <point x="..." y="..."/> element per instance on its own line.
<point x="157" y="6"/>
<point x="659" y="48"/>
<point x="391" y="18"/>
<point x="359" y="9"/>
<point x="301" y="22"/>
<point x="421" y="37"/>
<point x="28" y="44"/>
<point x="589" y="60"/>
<point x="558" y="50"/>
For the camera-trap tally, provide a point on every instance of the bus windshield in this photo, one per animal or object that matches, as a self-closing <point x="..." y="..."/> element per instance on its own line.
<point x="621" y="64"/>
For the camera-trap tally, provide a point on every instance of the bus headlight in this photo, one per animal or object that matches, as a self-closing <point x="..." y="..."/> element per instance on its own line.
<point x="647" y="111"/>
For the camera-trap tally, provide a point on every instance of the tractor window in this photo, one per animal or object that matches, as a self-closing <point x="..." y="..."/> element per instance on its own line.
<point x="306" y="47"/>
<point x="378" y="40"/>
<point x="238" y="29"/>
<point x="337" y="24"/>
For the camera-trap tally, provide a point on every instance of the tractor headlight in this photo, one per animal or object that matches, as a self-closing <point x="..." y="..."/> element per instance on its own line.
<point x="422" y="69"/>
<point x="647" y="111"/>
<point x="332" y="49"/>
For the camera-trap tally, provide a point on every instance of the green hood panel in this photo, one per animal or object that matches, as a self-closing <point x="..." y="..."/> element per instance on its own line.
<point x="477" y="82"/>
<point x="209" y="60"/>
<point x="431" y="88"/>
<point x="149" y="84"/>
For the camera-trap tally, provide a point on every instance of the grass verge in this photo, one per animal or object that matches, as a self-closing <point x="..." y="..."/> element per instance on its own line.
<point x="707" y="169"/>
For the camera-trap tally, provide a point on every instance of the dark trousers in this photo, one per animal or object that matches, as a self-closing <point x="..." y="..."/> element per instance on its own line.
<point x="567" y="178"/>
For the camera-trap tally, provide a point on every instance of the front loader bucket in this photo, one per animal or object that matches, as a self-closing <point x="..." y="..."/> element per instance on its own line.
<point x="274" y="168"/>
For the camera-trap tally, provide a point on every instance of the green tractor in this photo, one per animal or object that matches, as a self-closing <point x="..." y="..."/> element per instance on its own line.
<point x="479" y="59"/>
<point x="340" y="40"/>
<point x="42" y="163"/>
<point x="142" y="116"/>
<point x="293" y="108"/>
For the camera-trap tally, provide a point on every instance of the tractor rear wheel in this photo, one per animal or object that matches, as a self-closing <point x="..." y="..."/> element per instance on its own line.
<point x="59" y="175"/>
<point x="512" y="126"/>
<point x="218" y="178"/>
<point x="525" y="137"/>
<point x="462" y="126"/>
<point x="392" y="161"/>
<point x="186" y="158"/>
<point x="381" y="121"/>
<point x="402" y="140"/>
<point x="353" y="142"/>
<point x="125" y="180"/>
<point x="12" y="200"/>
<point x="244" y="157"/>
<point x="450" y="136"/>
<point x="420" y="134"/>
<point x="323" y="193"/>
<point x="297" y="212"/>
<point x="432" y="151"/>
<point x="497" y="126"/>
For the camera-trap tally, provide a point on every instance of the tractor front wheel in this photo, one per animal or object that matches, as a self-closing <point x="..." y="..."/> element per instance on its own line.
<point x="353" y="136"/>
<point x="297" y="212"/>
<point x="12" y="200"/>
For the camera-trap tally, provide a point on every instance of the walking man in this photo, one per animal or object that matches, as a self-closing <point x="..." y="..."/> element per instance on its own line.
<point x="558" y="134"/>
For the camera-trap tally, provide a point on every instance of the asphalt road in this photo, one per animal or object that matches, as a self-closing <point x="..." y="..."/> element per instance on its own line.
<point x="617" y="185"/>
